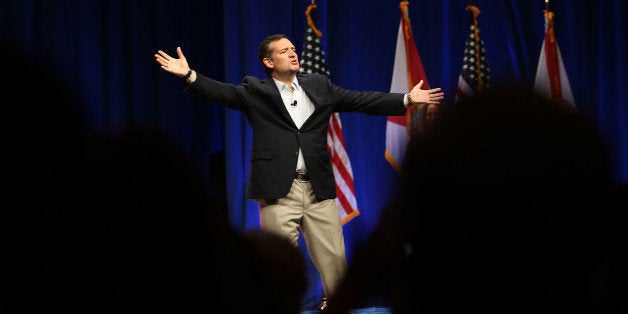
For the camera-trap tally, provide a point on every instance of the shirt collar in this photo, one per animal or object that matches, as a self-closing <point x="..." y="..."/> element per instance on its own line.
<point x="282" y="86"/>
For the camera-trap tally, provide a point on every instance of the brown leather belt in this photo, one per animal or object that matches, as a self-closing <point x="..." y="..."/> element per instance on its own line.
<point x="302" y="176"/>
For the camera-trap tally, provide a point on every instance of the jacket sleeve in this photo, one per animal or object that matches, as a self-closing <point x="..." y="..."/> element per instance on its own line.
<point x="368" y="102"/>
<point x="229" y="95"/>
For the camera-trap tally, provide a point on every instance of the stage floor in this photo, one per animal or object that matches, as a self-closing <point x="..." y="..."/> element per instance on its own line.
<point x="366" y="310"/>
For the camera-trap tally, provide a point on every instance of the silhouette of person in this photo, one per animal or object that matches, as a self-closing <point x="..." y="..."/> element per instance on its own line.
<point x="157" y="243"/>
<point x="507" y="207"/>
<point x="42" y="143"/>
<point x="279" y="272"/>
<point x="118" y="223"/>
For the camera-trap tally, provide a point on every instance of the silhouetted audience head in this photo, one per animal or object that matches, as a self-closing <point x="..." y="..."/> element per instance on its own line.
<point x="279" y="269"/>
<point x="507" y="207"/>
<point x="152" y="238"/>
<point x="42" y="142"/>
<point x="119" y="223"/>
<point x="162" y="246"/>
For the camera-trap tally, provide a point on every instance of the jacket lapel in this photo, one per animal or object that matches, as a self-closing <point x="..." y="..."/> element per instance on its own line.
<point x="271" y="89"/>
<point x="315" y="93"/>
<point x="309" y="89"/>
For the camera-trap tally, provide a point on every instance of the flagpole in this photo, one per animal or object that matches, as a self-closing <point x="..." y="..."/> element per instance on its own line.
<point x="310" y="21"/>
<point x="478" y="69"/>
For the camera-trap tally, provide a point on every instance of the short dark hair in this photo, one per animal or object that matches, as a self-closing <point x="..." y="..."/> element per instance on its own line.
<point x="264" y="50"/>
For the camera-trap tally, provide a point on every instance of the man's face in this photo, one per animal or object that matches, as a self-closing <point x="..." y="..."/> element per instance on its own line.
<point x="284" y="59"/>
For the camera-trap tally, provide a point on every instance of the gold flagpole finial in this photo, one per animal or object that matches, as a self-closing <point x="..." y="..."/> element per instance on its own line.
<point x="310" y="21"/>
<point x="547" y="5"/>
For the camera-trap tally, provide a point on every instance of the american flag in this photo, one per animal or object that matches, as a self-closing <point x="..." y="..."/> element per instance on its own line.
<point x="313" y="61"/>
<point x="475" y="75"/>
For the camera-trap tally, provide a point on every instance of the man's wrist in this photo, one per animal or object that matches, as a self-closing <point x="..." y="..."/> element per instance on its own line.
<point x="409" y="100"/>
<point x="187" y="76"/>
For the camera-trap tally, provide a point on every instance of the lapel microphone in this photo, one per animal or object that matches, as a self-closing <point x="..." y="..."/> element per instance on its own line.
<point x="294" y="103"/>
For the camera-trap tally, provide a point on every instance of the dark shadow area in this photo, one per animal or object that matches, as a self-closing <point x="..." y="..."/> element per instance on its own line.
<point x="508" y="206"/>
<point x="118" y="224"/>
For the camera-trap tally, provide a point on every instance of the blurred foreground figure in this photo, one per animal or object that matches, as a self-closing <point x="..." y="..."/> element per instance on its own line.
<point x="120" y="223"/>
<point x="508" y="207"/>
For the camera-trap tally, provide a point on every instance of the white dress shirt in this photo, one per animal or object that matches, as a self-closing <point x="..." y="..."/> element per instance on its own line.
<point x="299" y="106"/>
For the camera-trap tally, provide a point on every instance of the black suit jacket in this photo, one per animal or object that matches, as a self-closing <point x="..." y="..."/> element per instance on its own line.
<point x="276" y="139"/>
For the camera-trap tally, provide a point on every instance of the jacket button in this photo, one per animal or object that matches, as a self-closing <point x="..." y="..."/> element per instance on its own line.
<point x="296" y="153"/>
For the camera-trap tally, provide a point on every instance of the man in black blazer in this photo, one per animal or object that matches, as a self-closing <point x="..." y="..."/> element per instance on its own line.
<point x="291" y="175"/>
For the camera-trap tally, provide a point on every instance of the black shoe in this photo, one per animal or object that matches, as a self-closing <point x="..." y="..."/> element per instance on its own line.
<point x="323" y="305"/>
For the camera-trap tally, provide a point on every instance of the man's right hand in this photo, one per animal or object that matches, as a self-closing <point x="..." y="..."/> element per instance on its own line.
<point x="177" y="66"/>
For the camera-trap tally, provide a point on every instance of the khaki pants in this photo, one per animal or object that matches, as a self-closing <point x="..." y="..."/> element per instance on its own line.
<point x="318" y="221"/>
